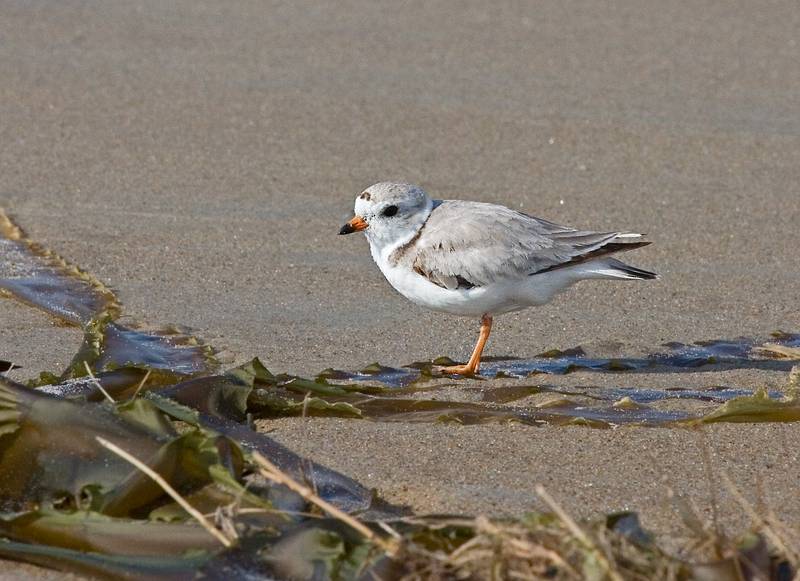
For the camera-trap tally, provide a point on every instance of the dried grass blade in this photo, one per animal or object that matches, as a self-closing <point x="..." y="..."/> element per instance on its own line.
<point x="577" y="532"/>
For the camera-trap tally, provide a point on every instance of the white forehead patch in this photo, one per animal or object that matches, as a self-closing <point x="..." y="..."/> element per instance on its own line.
<point x="361" y="206"/>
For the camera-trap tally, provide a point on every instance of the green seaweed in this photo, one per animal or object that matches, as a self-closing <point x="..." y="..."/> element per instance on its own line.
<point x="509" y="393"/>
<point x="95" y="532"/>
<point x="324" y="551"/>
<point x="52" y="443"/>
<point x="109" y="566"/>
<point x="759" y="407"/>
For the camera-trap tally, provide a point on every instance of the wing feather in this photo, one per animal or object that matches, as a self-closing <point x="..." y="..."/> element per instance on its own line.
<point x="468" y="244"/>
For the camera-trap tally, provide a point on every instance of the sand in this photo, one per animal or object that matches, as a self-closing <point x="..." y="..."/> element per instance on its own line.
<point x="200" y="156"/>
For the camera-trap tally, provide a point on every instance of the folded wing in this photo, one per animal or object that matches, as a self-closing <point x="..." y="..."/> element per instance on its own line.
<point x="469" y="244"/>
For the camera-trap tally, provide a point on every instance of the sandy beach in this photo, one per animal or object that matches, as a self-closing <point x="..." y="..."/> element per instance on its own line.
<point x="199" y="158"/>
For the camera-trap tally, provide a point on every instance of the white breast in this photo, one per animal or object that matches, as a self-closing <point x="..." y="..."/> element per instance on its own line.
<point x="492" y="299"/>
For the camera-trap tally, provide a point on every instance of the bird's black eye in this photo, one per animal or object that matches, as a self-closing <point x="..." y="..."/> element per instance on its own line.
<point x="390" y="211"/>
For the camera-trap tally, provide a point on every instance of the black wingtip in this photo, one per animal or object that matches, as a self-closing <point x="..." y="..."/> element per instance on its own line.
<point x="639" y="273"/>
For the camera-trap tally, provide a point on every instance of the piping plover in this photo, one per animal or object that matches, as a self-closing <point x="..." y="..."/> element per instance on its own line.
<point x="480" y="260"/>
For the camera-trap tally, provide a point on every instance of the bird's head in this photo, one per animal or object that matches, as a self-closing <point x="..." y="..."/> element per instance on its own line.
<point x="389" y="213"/>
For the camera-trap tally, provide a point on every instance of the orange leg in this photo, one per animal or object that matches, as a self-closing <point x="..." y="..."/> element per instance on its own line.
<point x="471" y="368"/>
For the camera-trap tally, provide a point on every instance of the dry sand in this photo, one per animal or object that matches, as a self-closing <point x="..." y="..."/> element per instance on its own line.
<point x="199" y="156"/>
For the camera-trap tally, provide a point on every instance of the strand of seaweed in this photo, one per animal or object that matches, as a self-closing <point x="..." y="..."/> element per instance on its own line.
<point x="775" y="354"/>
<point x="41" y="278"/>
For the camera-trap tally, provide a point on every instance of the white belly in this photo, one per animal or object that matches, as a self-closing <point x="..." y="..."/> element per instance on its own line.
<point x="493" y="299"/>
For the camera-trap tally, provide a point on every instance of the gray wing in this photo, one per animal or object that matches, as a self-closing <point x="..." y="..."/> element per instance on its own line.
<point x="468" y="244"/>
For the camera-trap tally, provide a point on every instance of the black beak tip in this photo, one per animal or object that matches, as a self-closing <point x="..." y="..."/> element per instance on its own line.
<point x="346" y="229"/>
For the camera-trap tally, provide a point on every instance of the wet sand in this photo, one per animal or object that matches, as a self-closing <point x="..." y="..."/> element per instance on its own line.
<point x="199" y="158"/>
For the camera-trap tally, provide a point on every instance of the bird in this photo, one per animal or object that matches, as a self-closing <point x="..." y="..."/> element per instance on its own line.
<point x="477" y="259"/>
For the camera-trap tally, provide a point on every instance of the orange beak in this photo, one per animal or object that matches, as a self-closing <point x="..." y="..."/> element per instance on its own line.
<point x="356" y="224"/>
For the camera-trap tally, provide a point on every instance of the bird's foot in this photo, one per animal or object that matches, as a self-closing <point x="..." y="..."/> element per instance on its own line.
<point x="464" y="370"/>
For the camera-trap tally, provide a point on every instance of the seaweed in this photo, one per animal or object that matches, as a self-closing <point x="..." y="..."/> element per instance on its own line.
<point x="95" y="512"/>
<point x="41" y="278"/>
<point x="759" y="407"/>
<point x="52" y="443"/>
